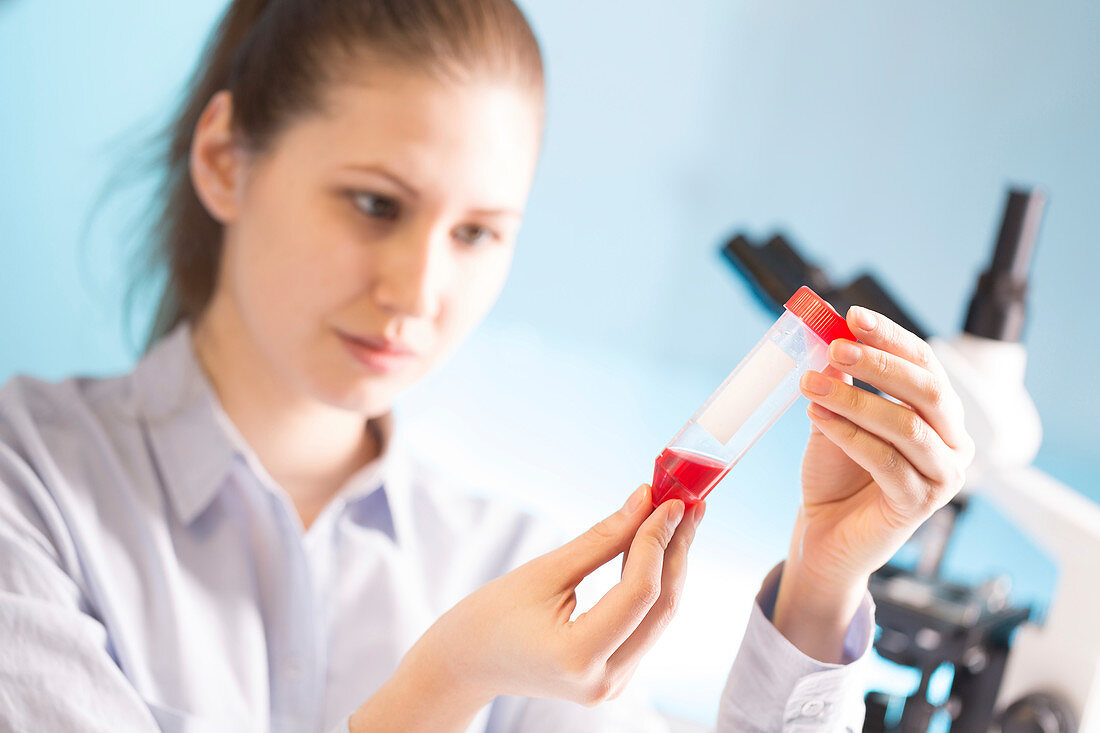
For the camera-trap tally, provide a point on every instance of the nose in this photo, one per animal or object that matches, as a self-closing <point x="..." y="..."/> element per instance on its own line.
<point x="407" y="273"/>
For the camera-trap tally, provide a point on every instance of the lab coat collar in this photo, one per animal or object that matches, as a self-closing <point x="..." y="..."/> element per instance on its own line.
<point x="176" y="403"/>
<point x="195" y="444"/>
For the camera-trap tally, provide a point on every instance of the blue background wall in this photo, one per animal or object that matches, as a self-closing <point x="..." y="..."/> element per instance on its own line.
<point x="877" y="135"/>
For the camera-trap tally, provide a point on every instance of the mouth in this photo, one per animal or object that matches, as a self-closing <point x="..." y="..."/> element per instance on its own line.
<point x="378" y="354"/>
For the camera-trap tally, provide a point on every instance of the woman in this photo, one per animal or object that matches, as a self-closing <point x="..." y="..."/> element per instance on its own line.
<point x="229" y="537"/>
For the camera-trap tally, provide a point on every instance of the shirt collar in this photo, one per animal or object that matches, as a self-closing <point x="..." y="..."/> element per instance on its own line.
<point x="196" y="444"/>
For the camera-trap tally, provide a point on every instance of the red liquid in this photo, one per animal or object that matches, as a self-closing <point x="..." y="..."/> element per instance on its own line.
<point x="681" y="474"/>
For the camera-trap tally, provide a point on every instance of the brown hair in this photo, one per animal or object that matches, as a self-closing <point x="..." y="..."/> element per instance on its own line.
<point x="274" y="57"/>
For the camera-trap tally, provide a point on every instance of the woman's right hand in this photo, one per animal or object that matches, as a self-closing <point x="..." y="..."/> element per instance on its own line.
<point x="514" y="636"/>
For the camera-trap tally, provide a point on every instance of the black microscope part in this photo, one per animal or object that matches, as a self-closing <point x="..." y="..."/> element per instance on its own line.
<point x="774" y="271"/>
<point x="997" y="309"/>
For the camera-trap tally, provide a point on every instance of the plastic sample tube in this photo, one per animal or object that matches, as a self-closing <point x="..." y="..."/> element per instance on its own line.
<point x="759" y="389"/>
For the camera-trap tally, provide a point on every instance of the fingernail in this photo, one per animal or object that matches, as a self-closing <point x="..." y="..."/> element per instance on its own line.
<point x="844" y="351"/>
<point x="635" y="499"/>
<point x="821" y="413"/>
<point x="864" y="318"/>
<point x="817" y="383"/>
<point x="675" y="513"/>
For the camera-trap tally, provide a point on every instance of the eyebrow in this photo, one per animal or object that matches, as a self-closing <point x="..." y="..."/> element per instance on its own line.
<point x="412" y="192"/>
<point x="496" y="212"/>
<point x="392" y="177"/>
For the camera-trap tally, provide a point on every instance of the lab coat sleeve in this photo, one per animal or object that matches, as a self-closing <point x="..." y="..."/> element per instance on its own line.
<point x="56" y="673"/>
<point x="775" y="687"/>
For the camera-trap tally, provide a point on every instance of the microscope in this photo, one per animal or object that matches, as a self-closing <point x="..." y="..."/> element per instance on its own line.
<point x="1012" y="672"/>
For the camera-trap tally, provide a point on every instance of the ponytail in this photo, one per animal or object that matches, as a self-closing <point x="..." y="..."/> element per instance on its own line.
<point x="188" y="239"/>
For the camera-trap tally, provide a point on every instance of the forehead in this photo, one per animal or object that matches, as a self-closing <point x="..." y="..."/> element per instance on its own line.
<point x="478" y="137"/>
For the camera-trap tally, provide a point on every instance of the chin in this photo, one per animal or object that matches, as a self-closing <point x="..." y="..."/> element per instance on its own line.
<point x="366" y="394"/>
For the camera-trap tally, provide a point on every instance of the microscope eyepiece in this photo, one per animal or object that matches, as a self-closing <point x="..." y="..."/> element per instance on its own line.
<point x="997" y="309"/>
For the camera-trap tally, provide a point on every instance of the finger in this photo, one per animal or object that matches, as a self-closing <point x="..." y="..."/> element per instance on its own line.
<point x="673" y="573"/>
<point x="896" y="424"/>
<point x="930" y="394"/>
<point x="605" y="540"/>
<point x="875" y="329"/>
<point x="908" y="494"/>
<point x="604" y="627"/>
<point x="687" y="510"/>
<point x="832" y="371"/>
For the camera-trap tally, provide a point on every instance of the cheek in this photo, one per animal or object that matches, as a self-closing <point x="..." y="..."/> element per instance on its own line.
<point x="292" y="271"/>
<point x="478" y="284"/>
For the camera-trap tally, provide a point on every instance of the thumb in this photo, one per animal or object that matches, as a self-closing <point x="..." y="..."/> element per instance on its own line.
<point x="605" y="540"/>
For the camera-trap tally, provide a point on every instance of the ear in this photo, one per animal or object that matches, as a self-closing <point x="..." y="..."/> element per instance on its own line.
<point x="216" y="159"/>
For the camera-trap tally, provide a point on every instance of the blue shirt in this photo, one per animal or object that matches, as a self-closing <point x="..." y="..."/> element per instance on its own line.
<point x="154" y="576"/>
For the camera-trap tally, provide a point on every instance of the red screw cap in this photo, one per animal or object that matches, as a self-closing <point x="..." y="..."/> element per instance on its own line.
<point x="818" y="315"/>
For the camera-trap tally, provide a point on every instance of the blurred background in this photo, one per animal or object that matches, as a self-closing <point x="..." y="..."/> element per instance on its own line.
<point x="875" y="135"/>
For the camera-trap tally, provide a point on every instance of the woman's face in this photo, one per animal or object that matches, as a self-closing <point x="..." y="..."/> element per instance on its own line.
<point x="374" y="235"/>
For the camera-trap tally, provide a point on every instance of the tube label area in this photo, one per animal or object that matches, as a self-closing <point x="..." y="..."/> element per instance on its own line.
<point x="743" y="394"/>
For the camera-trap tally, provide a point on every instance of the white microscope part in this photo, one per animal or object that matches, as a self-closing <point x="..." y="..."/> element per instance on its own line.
<point x="1062" y="654"/>
<point x="988" y="375"/>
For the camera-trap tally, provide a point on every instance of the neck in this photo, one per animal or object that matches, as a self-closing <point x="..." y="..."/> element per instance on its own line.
<point x="309" y="448"/>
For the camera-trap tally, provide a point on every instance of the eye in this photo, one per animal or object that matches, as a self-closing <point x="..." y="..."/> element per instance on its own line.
<point x="375" y="206"/>
<point x="474" y="235"/>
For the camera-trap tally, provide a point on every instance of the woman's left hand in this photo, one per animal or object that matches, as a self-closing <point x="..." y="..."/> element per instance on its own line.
<point x="873" y="471"/>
